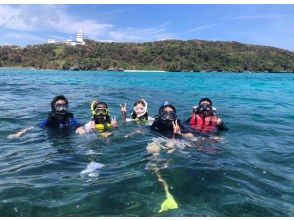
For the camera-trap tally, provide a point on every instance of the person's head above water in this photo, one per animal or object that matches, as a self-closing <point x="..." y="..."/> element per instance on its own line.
<point x="140" y="107"/>
<point x="205" y="101"/>
<point x="99" y="108"/>
<point x="204" y="107"/>
<point x="167" y="112"/>
<point x="59" y="104"/>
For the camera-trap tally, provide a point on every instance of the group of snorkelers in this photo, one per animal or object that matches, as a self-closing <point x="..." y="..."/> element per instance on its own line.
<point x="203" y="118"/>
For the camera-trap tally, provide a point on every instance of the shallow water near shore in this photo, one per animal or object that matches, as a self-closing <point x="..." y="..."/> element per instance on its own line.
<point x="47" y="173"/>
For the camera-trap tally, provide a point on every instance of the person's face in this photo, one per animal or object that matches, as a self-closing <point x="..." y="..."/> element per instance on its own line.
<point x="168" y="113"/>
<point x="139" y="108"/>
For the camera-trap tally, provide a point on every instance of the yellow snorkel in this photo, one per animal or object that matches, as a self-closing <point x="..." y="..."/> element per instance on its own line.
<point x="93" y="107"/>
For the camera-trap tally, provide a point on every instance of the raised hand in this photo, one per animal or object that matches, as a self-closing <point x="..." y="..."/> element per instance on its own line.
<point x="176" y="127"/>
<point x="123" y="108"/>
<point x="114" y="122"/>
<point x="218" y="121"/>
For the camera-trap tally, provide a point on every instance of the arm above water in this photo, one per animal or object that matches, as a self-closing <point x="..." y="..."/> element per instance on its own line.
<point x="185" y="133"/>
<point x="87" y="128"/>
<point x="221" y="126"/>
<point x="123" y="109"/>
<point x="43" y="124"/>
<point x="20" y="133"/>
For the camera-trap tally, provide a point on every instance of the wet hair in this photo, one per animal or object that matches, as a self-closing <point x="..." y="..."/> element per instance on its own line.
<point x="139" y="102"/>
<point x="165" y="106"/>
<point x="101" y="104"/>
<point x="205" y="99"/>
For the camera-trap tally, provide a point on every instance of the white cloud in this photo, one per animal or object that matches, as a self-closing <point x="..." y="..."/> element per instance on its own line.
<point x="144" y="34"/>
<point x="48" y="17"/>
<point x="55" y="18"/>
<point x="13" y="18"/>
<point x="247" y="17"/>
<point x="204" y="27"/>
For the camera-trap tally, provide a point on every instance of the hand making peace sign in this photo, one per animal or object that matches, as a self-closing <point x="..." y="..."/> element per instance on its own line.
<point x="123" y="108"/>
<point x="176" y="127"/>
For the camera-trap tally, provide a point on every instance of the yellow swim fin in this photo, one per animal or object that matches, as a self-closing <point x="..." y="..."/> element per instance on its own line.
<point x="169" y="203"/>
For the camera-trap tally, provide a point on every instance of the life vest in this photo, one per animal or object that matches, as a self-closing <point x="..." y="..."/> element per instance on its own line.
<point x="102" y="127"/>
<point x="102" y="122"/>
<point x="206" y="124"/>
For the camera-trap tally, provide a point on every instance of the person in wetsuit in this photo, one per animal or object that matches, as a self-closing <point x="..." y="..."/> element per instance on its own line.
<point x="167" y="123"/>
<point x="59" y="117"/>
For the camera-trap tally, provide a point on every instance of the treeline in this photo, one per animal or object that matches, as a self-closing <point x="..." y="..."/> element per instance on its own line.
<point x="169" y="55"/>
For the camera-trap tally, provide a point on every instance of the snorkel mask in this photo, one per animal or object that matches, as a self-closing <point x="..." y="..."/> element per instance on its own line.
<point x="59" y="108"/>
<point x="99" y="108"/>
<point x="138" y="110"/>
<point x="167" y="115"/>
<point x="204" y="109"/>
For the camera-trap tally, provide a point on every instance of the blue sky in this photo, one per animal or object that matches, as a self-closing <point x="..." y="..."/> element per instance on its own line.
<point x="271" y="25"/>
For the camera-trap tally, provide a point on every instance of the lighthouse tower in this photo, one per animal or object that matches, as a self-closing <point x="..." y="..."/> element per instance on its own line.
<point x="80" y="39"/>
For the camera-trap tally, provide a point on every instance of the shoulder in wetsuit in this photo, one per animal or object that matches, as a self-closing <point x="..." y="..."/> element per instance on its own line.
<point x="59" y="121"/>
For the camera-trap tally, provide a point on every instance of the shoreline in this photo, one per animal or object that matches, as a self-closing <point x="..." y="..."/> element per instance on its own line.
<point x="138" y="71"/>
<point x="144" y="71"/>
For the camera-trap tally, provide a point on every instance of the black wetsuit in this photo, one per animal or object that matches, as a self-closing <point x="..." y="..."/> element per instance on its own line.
<point x="59" y="121"/>
<point x="165" y="127"/>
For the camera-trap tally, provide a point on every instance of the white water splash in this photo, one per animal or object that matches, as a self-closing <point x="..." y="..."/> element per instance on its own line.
<point x="92" y="169"/>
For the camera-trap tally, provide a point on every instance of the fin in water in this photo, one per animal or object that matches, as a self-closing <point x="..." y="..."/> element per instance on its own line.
<point x="169" y="203"/>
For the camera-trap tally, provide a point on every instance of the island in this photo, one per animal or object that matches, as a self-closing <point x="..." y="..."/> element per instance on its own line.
<point x="167" y="55"/>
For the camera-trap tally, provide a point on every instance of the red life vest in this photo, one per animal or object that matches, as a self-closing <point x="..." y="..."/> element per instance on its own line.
<point x="204" y="124"/>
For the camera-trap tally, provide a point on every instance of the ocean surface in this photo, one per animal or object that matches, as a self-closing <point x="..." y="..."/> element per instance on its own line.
<point x="250" y="172"/>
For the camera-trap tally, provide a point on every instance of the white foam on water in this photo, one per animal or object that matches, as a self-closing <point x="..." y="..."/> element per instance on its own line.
<point x="92" y="169"/>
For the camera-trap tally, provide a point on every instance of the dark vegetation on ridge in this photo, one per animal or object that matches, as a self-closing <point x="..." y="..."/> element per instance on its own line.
<point x="169" y="55"/>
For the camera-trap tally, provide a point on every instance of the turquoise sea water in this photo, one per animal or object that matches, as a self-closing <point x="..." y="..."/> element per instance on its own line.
<point x="250" y="173"/>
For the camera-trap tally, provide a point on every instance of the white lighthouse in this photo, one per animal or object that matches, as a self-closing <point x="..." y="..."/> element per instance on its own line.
<point x="80" y="37"/>
<point x="79" y="40"/>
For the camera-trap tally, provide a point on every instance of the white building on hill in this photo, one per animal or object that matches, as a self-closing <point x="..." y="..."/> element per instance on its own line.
<point x="79" y="40"/>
